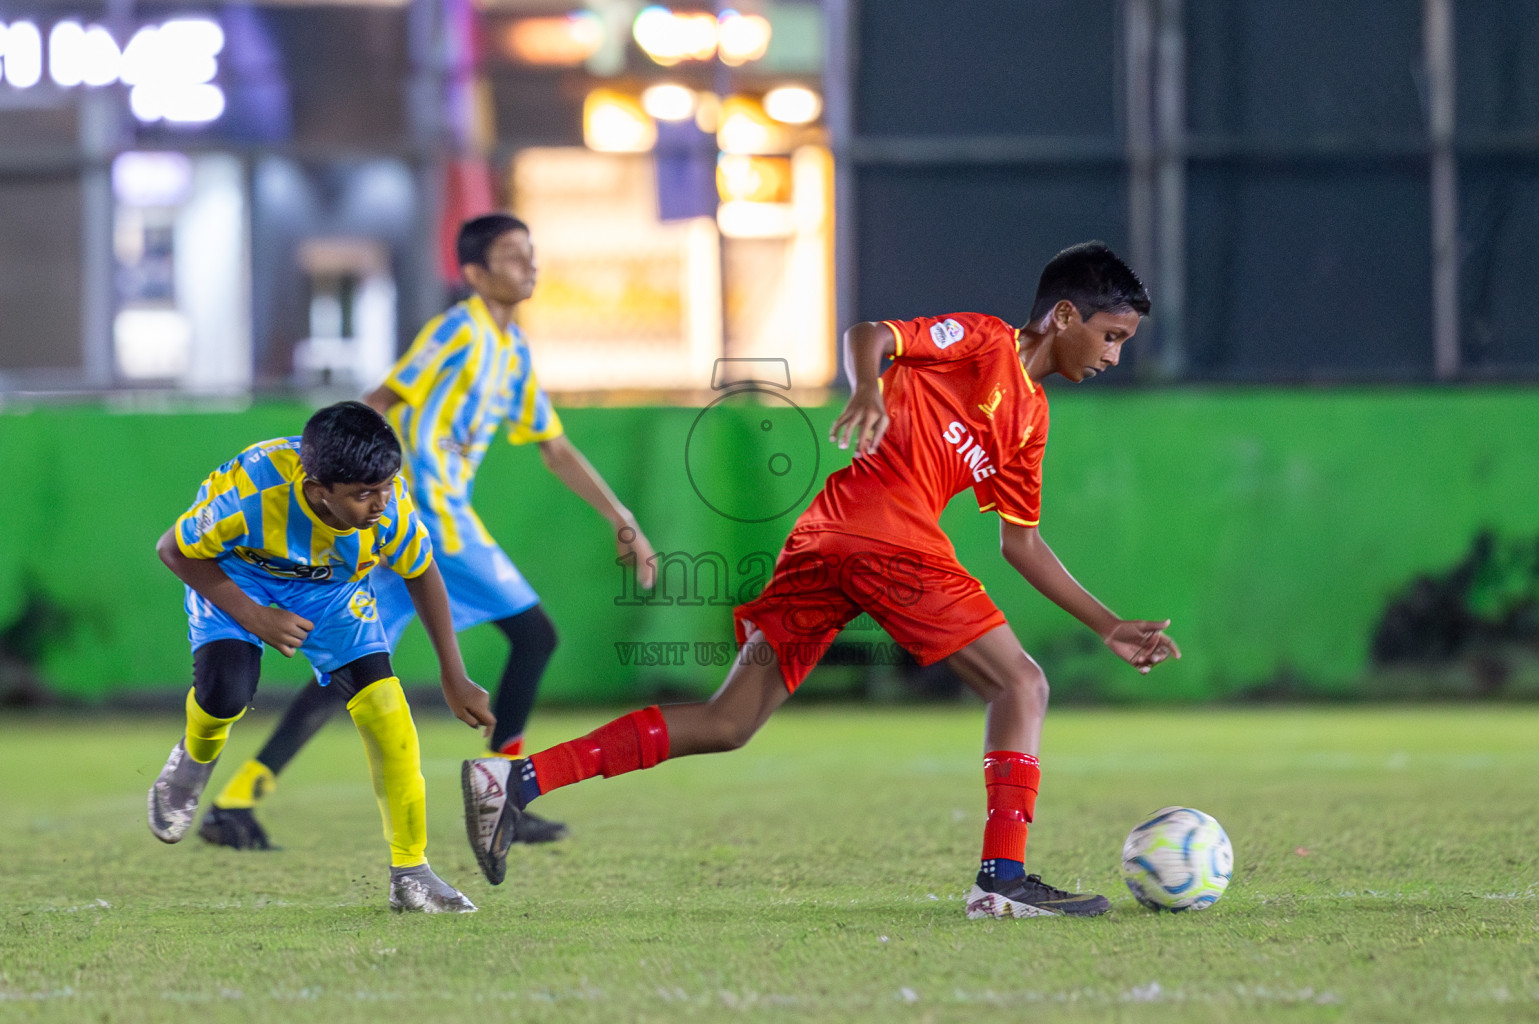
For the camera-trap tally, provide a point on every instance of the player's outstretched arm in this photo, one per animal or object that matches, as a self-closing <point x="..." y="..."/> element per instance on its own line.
<point x="278" y="627"/>
<point x="467" y="700"/>
<point x="864" y="419"/>
<point x="572" y="468"/>
<point x="1141" y="643"/>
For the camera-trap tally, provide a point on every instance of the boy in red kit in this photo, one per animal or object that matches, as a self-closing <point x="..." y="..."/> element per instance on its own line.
<point x="959" y="408"/>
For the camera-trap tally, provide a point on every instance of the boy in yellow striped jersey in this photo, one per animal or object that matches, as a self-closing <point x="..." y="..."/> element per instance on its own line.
<point x="467" y="373"/>
<point x="278" y="549"/>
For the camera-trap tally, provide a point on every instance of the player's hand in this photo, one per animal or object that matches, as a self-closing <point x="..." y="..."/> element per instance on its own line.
<point x="469" y="702"/>
<point x="631" y="541"/>
<point x="279" y="628"/>
<point x="863" y="420"/>
<point x="1141" y="643"/>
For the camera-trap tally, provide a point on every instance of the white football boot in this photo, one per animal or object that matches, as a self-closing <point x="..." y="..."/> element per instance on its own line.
<point x="418" y="890"/>
<point x="173" y="799"/>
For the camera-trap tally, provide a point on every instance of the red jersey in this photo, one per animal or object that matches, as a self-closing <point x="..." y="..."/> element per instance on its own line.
<point x="963" y="414"/>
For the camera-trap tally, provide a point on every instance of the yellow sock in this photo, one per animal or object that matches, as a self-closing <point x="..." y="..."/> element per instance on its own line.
<point x="395" y="763"/>
<point x="205" y="733"/>
<point x="252" y="783"/>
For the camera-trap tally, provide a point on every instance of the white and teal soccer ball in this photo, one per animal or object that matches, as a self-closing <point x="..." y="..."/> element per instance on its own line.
<point x="1177" y="859"/>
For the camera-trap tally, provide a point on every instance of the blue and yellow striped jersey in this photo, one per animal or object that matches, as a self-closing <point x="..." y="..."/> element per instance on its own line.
<point x="253" y="508"/>
<point x="463" y="375"/>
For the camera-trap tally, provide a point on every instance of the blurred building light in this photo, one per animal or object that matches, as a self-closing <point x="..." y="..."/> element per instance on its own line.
<point x="140" y="56"/>
<point x="170" y="68"/>
<point x="181" y="104"/>
<point x="708" y="112"/>
<point x="745" y="128"/>
<point x="180" y="52"/>
<point x="742" y="37"/>
<point x="669" y="37"/>
<point x="21" y="54"/>
<point x="66" y="54"/>
<point x="103" y="60"/>
<point x="152" y="343"/>
<point x="758" y="179"/>
<point x="189" y="47"/>
<point x="187" y="104"/>
<point x="812" y="187"/>
<point x="613" y="122"/>
<point x="151" y="179"/>
<point x="744" y="219"/>
<point x="793" y="104"/>
<point x="559" y="41"/>
<point x="669" y="102"/>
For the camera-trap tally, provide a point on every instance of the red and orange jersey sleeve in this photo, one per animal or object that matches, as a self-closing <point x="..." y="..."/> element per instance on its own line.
<point x="1015" y="492"/>
<point x="949" y="338"/>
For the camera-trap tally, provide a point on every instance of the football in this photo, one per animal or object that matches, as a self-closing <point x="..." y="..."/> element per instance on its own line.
<point x="1177" y="859"/>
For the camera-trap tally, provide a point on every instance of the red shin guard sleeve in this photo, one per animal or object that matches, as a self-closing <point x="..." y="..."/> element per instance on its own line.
<point x="1011" y="781"/>
<point x="636" y="740"/>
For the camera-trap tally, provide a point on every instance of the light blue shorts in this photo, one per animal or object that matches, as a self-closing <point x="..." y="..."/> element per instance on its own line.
<point x="483" y="584"/>
<point x="346" y="616"/>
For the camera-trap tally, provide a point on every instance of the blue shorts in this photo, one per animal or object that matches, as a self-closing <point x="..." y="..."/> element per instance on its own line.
<point x="483" y="585"/>
<point x="347" y="622"/>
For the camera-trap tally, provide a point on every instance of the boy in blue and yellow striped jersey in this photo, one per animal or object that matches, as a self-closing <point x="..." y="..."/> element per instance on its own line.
<point x="278" y="549"/>
<point x="467" y="373"/>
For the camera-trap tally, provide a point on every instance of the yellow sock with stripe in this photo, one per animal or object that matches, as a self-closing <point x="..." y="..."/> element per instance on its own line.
<point x="395" y="763"/>
<point x="205" y="734"/>
<point x="252" y="783"/>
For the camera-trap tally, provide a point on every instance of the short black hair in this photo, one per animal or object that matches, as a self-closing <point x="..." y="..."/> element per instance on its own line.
<point x="349" y="443"/>
<point x="477" y="235"/>
<point x="1092" y="277"/>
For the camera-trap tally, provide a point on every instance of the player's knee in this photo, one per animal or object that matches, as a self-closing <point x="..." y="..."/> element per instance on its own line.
<point x="531" y="632"/>
<point x="545" y="636"/>
<point x="224" y="676"/>
<point x="1029" y="685"/>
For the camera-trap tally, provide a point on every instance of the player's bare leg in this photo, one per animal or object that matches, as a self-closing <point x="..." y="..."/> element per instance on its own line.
<point x="752" y="691"/>
<point x="497" y="790"/>
<point x="1011" y="684"/>
<point x="996" y="668"/>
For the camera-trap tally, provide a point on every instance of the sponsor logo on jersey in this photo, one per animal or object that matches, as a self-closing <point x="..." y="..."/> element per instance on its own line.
<point x="204" y="522"/>
<point x="993" y="402"/>
<point x="969" y="449"/>
<point x="288" y="570"/>
<point x="947" y="332"/>
<point x="362" y="606"/>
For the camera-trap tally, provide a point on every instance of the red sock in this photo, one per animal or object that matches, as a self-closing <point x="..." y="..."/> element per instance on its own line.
<point x="636" y="740"/>
<point x="513" y="747"/>
<point x="1011" y="780"/>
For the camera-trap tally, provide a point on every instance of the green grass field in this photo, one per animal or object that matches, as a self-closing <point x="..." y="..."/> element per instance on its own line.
<point x="1386" y="870"/>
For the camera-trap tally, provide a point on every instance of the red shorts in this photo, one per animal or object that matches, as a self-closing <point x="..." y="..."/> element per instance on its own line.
<point x="928" y="604"/>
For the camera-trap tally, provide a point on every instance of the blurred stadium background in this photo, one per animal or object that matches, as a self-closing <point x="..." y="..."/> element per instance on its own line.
<point x="1317" y="458"/>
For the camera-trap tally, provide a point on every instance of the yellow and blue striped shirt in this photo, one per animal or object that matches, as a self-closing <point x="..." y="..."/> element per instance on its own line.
<point x="463" y="375"/>
<point x="253" y="508"/>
